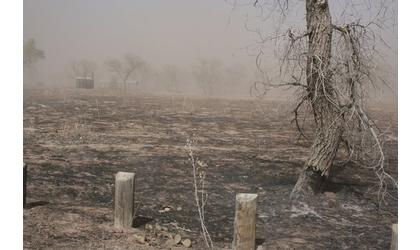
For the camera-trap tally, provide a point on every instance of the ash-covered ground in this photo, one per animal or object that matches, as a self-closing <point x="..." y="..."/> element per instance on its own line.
<point x="75" y="141"/>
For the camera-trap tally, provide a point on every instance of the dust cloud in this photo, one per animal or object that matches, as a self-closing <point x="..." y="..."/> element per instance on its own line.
<point x="172" y="39"/>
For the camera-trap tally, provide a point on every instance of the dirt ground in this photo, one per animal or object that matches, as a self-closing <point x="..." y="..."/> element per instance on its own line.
<point x="75" y="141"/>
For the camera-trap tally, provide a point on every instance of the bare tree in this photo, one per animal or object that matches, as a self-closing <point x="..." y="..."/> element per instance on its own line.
<point x="82" y="68"/>
<point x="171" y="75"/>
<point x="206" y="72"/>
<point x="145" y="74"/>
<point x="331" y="64"/>
<point x="125" y="68"/>
<point x="234" y="76"/>
<point x="31" y="54"/>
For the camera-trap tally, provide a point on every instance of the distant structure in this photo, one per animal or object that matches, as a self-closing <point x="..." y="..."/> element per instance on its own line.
<point x="85" y="82"/>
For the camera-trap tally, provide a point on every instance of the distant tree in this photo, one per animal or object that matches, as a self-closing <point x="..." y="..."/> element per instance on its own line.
<point x="145" y="74"/>
<point x="207" y="72"/>
<point x="234" y="76"/>
<point x="125" y="68"/>
<point x="31" y="54"/>
<point x="171" y="75"/>
<point x="82" y="68"/>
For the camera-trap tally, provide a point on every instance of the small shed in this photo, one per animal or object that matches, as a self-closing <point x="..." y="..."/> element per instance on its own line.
<point x="85" y="82"/>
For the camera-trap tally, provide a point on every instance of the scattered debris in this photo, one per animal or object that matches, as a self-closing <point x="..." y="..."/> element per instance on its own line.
<point x="186" y="243"/>
<point x="140" y="238"/>
<point x="149" y="227"/>
<point x="330" y="195"/>
<point x="169" y="243"/>
<point x="303" y="210"/>
<point x="166" y="209"/>
<point x="175" y="225"/>
<point x="177" y="239"/>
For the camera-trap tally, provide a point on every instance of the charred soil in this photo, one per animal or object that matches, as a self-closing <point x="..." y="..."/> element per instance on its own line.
<point x="75" y="141"/>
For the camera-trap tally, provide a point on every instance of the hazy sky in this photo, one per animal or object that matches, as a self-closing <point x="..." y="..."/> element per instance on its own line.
<point x="160" y="31"/>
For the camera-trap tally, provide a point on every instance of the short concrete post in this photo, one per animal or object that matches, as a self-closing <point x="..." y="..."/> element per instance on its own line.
<point x="394" y="242"/>
<point x="245" y="219"/>
<point x="124" y="200"/>
<point x="25" y="170"/>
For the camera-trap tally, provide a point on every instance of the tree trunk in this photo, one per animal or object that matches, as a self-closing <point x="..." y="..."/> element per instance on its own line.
<point x="328" y="121"/>
<point x="125" y="84"/>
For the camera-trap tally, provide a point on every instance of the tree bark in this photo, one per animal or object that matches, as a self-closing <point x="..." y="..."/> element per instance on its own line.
<point x="328" y="120"/>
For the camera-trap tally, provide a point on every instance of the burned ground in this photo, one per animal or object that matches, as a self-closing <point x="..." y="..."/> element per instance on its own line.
<point x="75" y="141"/>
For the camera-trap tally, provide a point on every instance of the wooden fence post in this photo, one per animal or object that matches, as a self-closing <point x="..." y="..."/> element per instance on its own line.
<point x="394" y="242"/>
<point x="25" y="170"/>
<point x="245" y="220"/>
<point x="124" y="200"/>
